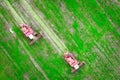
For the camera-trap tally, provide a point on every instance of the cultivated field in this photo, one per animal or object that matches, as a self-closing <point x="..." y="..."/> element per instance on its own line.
<point x="90" y="29"/>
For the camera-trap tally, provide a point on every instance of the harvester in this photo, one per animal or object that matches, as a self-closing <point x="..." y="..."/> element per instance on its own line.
<point x="73" y="62"/>
<point x="30" y="33"/>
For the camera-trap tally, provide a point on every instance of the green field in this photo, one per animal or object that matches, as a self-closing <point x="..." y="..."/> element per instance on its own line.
<point x="90" y="29"/>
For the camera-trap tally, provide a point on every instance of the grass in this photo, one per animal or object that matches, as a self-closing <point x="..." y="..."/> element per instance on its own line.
<point x="89" y="29"/>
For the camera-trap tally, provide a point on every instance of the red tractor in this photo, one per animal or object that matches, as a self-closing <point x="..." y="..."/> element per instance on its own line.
<point x="73" y="62"/>
<point x="29" y="33"/>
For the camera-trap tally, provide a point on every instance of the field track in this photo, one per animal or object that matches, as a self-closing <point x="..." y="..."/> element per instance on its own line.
<point x="89" y="29"/>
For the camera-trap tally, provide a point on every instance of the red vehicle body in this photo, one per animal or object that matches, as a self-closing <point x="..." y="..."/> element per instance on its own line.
<point x="72" y="61"/>
<point x="30" y="33"/>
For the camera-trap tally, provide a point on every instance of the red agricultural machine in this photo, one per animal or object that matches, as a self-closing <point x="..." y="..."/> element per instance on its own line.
<point x="73" y="62"/>
<point x="30" y="33"/>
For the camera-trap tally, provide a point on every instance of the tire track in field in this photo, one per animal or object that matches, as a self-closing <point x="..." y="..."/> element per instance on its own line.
<point x="27" y="52"/>
<point x="45" y="28"/>
<point x="22" y="9"/>
<point x="19" y="20"/>
<point x="4" y="50"/>
<point x="105" y="57"/>
<point x="111" y="39"/>
<point x="33" y="61"/>
<point x="15" y="15"/>
<point x="56" y="42"/>
<point x="9" y="57"/>
<point x="108" y="17"/>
